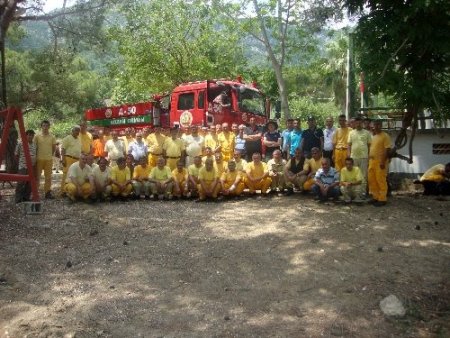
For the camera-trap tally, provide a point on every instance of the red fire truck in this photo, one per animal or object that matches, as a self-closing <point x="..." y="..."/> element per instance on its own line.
<point x="202" y="103"/>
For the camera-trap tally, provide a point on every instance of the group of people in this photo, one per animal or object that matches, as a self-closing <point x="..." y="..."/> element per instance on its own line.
<point x="216" y="162"/>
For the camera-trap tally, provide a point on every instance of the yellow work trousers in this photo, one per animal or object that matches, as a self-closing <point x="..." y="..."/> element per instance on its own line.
<point x="172" y="163"/>
<point x="307" y="186"/>
<point x="202" y="193"/>
<point x="262" y="184"/>
<point x="237" y="191"/>
<point x="141" y="188"/>
<point x="377" y="180"/>
<point x="179" y="188"/>
<point x="45" y="165"/>
<point x="227" y="156"/>
<point x="339" y="158"/>
<point x="297" y="181"/>
<point x="115" y="191"/>
<point x="165" y="190"/>
<point x="69" y="162"/>
<point x="72" y="192"/>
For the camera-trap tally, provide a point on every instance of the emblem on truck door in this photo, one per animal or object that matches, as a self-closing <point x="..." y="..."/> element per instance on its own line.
<point x="186" y="118"/>
<point x="108" y="113"/>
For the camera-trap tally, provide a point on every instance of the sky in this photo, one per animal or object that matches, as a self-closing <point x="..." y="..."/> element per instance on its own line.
<point x="53" y="4"/>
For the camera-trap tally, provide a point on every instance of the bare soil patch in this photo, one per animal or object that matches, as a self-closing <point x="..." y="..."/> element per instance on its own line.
<point x="278" y="267"/>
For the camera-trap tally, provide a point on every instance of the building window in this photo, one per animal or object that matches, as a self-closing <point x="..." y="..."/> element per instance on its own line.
<point x="186" y="101"/>
<point x="441" y="148"/>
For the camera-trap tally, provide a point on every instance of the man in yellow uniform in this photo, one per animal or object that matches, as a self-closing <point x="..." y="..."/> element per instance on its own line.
<point x="121" y="179"/>
<point x="208" y="154"/>
<point x="211" y="140"/>
<point x="128" y="138"/>
<point x="311" y="166"/>
<point x="85" y="138"/>
<point x="180" y="180"/>
<point x="141" y="183"/>
<point x="276" y="166"/>
<point x="378" y="164"/>
<point x="257" y="175"/>
<point x="80" y="181"/>
<point x="161" y="180"/>
<point x="155" y="143"/>
<point x="241" y="164"/>
<point x="45" y="148"/>
<point x="219" y="164"/>
<point x="436" y="180"/>
<point x="193" y="171"/>
<point x="208" y="181"/>
<point x="351" y="179"/>
<point x="173" y="149"/>
<point x="114" y="148"/>
<point x="340" y="143"/>
<point x="70" y="152"/>
<point x="231" y="181"/>
<point x="101" y="175"/>
<point x="226" y="142"/>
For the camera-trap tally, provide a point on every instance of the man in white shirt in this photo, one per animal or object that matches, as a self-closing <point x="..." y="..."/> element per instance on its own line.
<point x="328" y="134"/>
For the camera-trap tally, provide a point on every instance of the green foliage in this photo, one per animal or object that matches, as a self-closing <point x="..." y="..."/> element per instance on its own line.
<point x="163" y="43"/>
<point x="59" y="128"/>
<point x="403" y="48"/>
<point x="303" y="107"/>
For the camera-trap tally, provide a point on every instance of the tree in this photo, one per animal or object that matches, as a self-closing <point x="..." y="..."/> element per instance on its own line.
<point x="165" y="42"/>
<point x="403" y="48"/>
<point x="285" y="28"/>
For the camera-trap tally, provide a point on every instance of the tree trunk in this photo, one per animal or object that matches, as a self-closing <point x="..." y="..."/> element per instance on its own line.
<point x="3" y="70"/>
<point x="283" y="93"/>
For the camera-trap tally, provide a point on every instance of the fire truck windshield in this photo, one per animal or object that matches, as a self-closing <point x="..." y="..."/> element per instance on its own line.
<point x="251" y="101"/>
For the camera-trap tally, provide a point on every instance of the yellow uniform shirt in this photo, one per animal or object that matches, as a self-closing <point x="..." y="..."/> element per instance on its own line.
<point x="380" y="142"/>
<point x="193" y="170"/>
<point x="204" y="158"/>
<point x="120" y="176"/>
<point x="256" y="170"/>
<point x="226" y="141"/>
<point x="360" y="141"/>
<point x="340" y="138"/>
<point x="78" y="174"/>
<point x="114" y="149"/>
<point x="434" y="173"/>
<point x="208" y="176"/>
<point x="230" y="177"/>
<point x="44" y="146"/>
<point x="72" y="146"/>
<point x="211" y="141"/>
<point x="220" y="167"/>
<point x="86" y="142"/>
<point x="155" y="143"/>
<point x="140" y="172"/>
<point x="180" y="176"/>
<point x="161" y="175"/>
<point x="173" y="148"/>
<point x="101" y="177"/>
<point x="351" y="176"/>
<point x="241" y="165"/>
<point x="311" y="165"/>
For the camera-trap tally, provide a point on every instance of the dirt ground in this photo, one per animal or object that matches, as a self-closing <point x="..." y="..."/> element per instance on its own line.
<point x="277" y="267"/>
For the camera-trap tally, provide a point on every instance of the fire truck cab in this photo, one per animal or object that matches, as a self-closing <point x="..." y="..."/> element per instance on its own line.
<point x="201" y="103"/>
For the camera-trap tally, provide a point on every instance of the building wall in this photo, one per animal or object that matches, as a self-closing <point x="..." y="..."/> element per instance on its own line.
<point x="423" y="157"/>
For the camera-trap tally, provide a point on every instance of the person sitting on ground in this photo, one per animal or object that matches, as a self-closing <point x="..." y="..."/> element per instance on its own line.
<point x="79" y="181"/>
<point x="276" y="168"/>
<point x="326" y="182"/>
<point x="257" y="175"/>
<point x="101" y="175"/>
<point x="241" y="164"/>
<point x="180" y="180"/>
<point x="231" y="181"/>
<point x="436" y="180"/>
<point x="220" y="165"/>
<point x="90" y="161"/>
<point x="121" y="179"/>
<point x="23" y="188"/>
<point x="141" y="183"/>
<point x="208" y="178"/>
<point x="351" y="181"/>
<point x="294" y="172"/>
<point x="311" y="166"/>
<point x="193" y="170"/>
<point x="161" y="180"/>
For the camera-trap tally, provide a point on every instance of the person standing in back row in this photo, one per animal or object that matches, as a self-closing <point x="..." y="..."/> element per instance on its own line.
<point x="311" y="138"/>
<point x="252" y="136"/>
<point x="45" y="148"/>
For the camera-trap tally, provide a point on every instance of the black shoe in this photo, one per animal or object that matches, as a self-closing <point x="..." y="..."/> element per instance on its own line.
<point x="379" y="204"/>
<point x="49" y="195"/>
